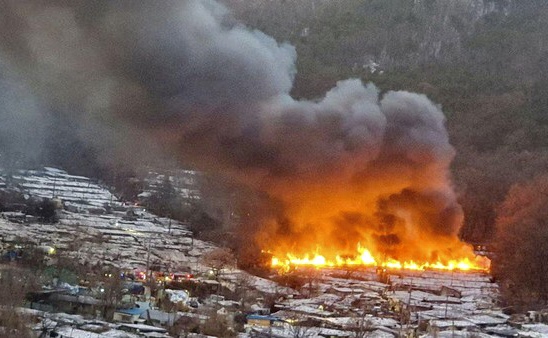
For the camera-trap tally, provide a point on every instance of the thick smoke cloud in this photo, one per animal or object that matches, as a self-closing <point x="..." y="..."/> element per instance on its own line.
<point x="138" y="78"/>
<point x="20" y="121"/>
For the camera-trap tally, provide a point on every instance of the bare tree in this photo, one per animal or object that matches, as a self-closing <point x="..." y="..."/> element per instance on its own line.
<point x="299" y="328"/>
<point x="218" y="325"/>
<point x="14" y="285"/>
<point x="244" y="289"/>
<point x="522" y="245"/>
<point x="184" y="326"/>
<point x="110" y="291"/>
<point x="301" y="331"/>
<point x="361" y="326"/>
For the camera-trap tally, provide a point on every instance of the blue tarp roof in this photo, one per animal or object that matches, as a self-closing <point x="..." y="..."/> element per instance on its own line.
<point x="263" y="317"/>
<point x="134" y="311"/>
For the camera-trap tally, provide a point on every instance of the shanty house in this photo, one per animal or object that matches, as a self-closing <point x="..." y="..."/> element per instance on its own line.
<point x="128" y="315"/>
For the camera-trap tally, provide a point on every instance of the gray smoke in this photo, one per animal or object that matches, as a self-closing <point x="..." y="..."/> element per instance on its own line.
<point x="134" y="79"/>
<point x="21" y="123"/>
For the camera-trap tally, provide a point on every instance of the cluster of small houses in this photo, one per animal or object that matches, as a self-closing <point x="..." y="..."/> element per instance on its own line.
<point x="415" y="304"/>
<point x="131" y="316"/>
<point x="336" y="307"/>
<point x="373" y="310"/>
<point x="334" y="304"/>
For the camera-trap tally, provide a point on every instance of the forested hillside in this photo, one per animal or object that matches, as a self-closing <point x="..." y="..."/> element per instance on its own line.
<point x="484" y="61"/>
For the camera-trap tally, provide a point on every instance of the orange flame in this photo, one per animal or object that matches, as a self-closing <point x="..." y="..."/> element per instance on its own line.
<point x="366" y="259"/>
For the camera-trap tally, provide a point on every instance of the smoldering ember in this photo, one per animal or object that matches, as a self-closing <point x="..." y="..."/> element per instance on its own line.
<point x="352" y="169"/>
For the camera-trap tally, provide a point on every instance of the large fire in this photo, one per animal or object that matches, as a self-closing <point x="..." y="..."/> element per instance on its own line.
<point x="364" y="258"/>
<point x="407" y="230"/>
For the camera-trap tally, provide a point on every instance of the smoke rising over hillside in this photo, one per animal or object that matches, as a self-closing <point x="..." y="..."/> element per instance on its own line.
<point x="135" y="79"/>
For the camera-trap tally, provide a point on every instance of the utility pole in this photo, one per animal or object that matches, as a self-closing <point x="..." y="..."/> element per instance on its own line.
<point x="446" y="304"/>
<point x="54" y="182"/>
<point x="148" y="261"/>
<point x="447" y="295"/>
<point x="408" y="320"/>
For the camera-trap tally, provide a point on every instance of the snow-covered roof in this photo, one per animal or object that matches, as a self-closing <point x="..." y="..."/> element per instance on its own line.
<point x="177" y="296"/>
<point x="142" y="327"/>
<point x="481" y="319"/>
<point x="440" y="323"/>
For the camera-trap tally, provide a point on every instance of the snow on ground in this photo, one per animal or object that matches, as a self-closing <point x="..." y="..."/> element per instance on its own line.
<point x="534" y="330"/>
<point x="94" y="239"/>
<point x="68" y="331"/>
<point x="268" y="286"/>
<point x="52" y="182"/>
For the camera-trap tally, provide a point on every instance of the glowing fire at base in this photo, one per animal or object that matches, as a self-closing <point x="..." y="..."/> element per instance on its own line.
<point x="366" y="259"/>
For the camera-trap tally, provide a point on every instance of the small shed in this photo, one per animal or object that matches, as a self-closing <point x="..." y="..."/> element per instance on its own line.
<point x="261" y="320"/>
<point x="142" y="329"/>
<point x="128" y="315"/>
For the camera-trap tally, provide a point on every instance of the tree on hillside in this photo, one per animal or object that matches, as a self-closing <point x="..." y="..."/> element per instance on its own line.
<point x="521" y="245"/>
<point x="217" y="325"/>
<point x="125" y="183"/>
<point x="111" y="291"/>
<point x="14" y="285"/>
<point x="46" y="211"/>
<point x="202" y="222"/>
<point x="165" y="199"/>
<point x="362" y="326"/>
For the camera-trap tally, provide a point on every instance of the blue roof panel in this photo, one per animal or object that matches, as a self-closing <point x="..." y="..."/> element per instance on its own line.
<point x="134" y="311"/>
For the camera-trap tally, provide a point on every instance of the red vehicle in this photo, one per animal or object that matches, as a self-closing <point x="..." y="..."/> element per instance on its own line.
<point x="181" y="276"/>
